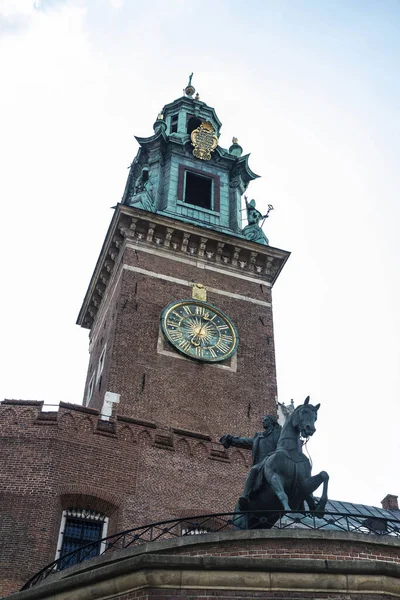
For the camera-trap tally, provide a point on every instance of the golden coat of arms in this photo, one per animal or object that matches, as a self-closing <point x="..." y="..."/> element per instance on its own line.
<point x="204" y="141"/>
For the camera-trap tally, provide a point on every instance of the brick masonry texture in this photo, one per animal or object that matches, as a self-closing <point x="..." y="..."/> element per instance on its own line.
<point x="183" y="393"/>
<point x="300" y="548"/>
<point x="133" y="473"/>
<point x="159" y="457"/>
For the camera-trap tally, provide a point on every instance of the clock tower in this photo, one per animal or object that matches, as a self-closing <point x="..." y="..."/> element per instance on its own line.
<point x="179" y="314"/>
<point x="179" y="305"/>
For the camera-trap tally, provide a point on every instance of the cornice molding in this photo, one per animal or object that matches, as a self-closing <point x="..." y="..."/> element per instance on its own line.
<point x="170" y="236"/>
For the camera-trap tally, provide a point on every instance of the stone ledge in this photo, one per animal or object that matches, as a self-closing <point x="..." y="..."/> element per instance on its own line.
<point x="124" y="419"/>
<point x="79" y="408"/>
<point x="194" y="434"/>
<point x="196" y="542"/>
<point x="218" y="573"/>
<point x="13" y="402"/>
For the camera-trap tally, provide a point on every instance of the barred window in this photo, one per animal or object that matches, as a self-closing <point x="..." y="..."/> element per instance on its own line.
<point x="80" y="527"/>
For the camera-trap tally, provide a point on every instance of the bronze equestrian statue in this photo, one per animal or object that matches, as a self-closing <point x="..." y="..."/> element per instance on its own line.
<point x="262" y="444"/>
<point x="283" y="480"/>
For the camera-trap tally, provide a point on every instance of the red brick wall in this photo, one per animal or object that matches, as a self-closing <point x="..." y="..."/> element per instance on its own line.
<point x="134" y="473"/>
<point x="103" y="334"/>
<point x="311" y="548"/>
<point x="161" y="457"/>
<point x="175" y="392"/>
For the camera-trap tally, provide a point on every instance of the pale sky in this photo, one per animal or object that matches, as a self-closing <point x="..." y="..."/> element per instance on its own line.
<point x="311" y="89"/>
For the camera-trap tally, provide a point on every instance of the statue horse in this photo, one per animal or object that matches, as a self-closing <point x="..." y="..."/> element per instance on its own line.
<point x="284" y="481"/>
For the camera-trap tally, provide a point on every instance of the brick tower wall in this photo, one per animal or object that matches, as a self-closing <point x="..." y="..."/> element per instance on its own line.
<point x="154" y="381"/>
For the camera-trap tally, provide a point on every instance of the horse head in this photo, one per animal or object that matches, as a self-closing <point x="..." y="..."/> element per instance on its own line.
<point x="304" y="417"/>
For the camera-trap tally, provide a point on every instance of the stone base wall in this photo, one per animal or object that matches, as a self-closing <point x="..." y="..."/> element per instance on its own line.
<point x="237" y="565"/>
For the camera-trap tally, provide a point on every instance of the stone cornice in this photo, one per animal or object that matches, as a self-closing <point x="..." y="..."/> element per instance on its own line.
<point x="161" y="565"/>
<point x="168" y="236"/>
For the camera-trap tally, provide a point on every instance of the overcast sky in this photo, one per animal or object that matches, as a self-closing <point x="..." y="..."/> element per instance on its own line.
<point x="311" y="89"/>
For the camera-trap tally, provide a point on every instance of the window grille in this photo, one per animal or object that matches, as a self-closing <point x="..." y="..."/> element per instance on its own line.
<point x="80" y="527"/>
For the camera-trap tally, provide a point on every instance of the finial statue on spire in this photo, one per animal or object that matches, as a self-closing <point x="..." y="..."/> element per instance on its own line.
<point x="189" y="89"/>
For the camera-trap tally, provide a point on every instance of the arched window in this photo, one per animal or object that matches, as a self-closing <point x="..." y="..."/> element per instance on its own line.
<point x="193" y="123"/>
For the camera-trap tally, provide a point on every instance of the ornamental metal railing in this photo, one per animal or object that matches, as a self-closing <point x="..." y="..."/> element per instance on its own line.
<point x="214" y="523"/>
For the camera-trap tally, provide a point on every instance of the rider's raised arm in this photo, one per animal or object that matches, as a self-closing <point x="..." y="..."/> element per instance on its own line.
<point x="241" y="442"/>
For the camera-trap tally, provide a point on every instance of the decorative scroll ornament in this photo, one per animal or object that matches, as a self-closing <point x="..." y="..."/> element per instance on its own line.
<point x="204" y="141"/>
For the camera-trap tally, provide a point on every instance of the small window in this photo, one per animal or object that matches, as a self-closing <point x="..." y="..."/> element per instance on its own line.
<point x="193" y="123"/>
<point x="174" y="123"/>
<point x="90" y="390"/>
<point x="101" y="363"/>
<point x="80" y="528"/>
<point x="198" y="190"/>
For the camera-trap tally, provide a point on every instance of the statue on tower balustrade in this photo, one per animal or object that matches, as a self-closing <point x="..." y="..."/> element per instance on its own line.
<point x="253" y="230"/>
<point x="142" y="195"/>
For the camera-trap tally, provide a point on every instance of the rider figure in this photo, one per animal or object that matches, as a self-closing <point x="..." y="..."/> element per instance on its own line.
<point x="262" y="444"/>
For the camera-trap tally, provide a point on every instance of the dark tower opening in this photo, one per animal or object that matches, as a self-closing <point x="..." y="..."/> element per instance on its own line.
<point x="174" y="123"/>
<point x="198" y="190"/>
<point x="193" y="123"/>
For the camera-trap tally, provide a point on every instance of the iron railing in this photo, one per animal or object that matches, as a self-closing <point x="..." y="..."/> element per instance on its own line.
<point x="204" y="524"/>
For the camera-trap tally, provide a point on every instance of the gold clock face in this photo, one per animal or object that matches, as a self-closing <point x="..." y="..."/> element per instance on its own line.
<point x="199" y="330"/>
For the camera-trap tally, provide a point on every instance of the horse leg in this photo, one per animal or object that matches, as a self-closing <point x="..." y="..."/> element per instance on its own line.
<point x="310" y="503"/>
<point x="310" y="485"/>
<point x="277" y="485"/>
<point x="320" y="508"/>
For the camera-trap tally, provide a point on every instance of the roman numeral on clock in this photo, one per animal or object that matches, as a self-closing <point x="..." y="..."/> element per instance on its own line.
<point x="226" y="338"/>
<point x="175" y="335"/>
<point x="222" y="346"/>
<point x="172" y="323"/>
<point x="185" y="345"/>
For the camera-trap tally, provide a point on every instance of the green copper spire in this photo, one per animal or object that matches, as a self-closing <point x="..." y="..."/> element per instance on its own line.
<point x="181" y="171"/>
